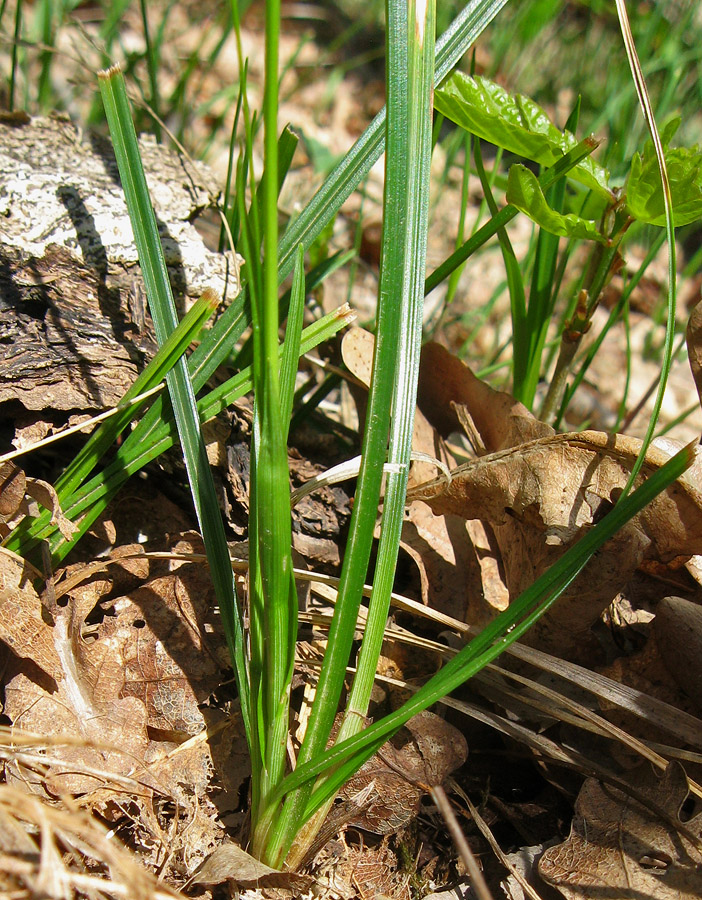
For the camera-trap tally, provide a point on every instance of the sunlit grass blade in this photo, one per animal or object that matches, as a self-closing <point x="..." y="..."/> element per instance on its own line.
<point x="14" y="65"/>
<point x="506" y="214"/>
<point x="217" y="343"/>
<point x="454" y="277"/>
<point x="293" y="332"/>
<point x="152" y="63"/>
<point x="166" y="357"/>
<point x="158" y="292"/>
<point x="543" y="290"/>
<point x="508" y="627"/>
<point x="515" y="281"/>
<point x="650" y="120"/>
<point x="392" y="399"/>
<point x="25" y="536"/>
<point x="141" y="447"/>
<point x="272" y="591"/>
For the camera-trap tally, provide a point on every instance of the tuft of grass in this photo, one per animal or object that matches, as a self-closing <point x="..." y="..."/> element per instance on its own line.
<point x="289" y="803"/>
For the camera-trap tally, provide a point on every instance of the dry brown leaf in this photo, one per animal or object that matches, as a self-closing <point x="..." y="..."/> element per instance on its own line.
<point x="678" y="631"/>
<point x="153" y="649"/>
<point x="458" y="571"/>
<point x="458" y="564"/>
<point x="357" y="347"/>
<point x="446" y="382"/>
<point x="16" y="491"/>
<point x="619" y="848"/>
<point x="230" y="863"/>
<point x="694" y="345"/>
<point x="393" y="782"/>
<point x="12" y="485"/>
<point x="146" y="664"/>
<point x="25" y="626"/>
<point x="540" y="497"/>
<point x="46" y="496"/>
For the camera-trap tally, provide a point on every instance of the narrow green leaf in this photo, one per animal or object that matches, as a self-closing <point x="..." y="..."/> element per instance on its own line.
<point x="647" y="110"/>
<point x="508" y="627"/>
<point x="521" y="337"/>
<point x="293" y="332"/>
<point x="160" y="299"/>
<point x="392" y="399"/>
<point x="91" y="499"/>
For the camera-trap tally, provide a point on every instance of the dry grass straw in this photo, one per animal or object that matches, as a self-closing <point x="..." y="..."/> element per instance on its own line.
<point x="55" y="848"/>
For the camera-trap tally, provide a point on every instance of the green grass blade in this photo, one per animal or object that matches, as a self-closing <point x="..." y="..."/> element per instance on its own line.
<point x="392" y="399"/>
<point x="14" y="65"/>
<point x="273" y="597"/>
<point x="517" y="296"/>
<point x="24" y="538"/>
<point x="152" y="62"/>
<point x="143" y="446"/>
<point x="180" y="388"/>
<point x="616" y="312"/>
<point x="544" y="283"/>
<point x="164" y="360"/>
<point x="505" y="215"/>
<point x="508" y="627"/>
<point x="353" y="168"/>
<point x="645" y="104"/>
<point x="293" y="332"/>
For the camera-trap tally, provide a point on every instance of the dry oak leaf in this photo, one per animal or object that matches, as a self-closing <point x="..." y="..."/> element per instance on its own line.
<point x="393" y="782"/>
<point x="67" y="705"/>
<point x="145" y="665"/>
<point x="230" y="863"/>
<point x="25" y="626"/>
<point x="620" y="848"/>
<point x="450" y="395"/>
<point x="541" y="496"/>
<point x="153" y="649"/>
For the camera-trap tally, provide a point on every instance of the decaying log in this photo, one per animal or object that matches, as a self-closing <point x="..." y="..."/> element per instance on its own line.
<point x="73" y="328"/>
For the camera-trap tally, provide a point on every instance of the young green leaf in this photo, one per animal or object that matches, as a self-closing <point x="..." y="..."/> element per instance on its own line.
<point x="524" y="192"/>
<point x="514" y="123"/>
<point x="644" y="196"/>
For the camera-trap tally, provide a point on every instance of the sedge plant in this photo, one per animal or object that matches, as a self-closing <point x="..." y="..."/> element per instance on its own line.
<point x="288" y="803"/>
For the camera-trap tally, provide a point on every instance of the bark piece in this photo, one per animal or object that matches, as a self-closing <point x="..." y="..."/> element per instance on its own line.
<point x="71" y="297"/>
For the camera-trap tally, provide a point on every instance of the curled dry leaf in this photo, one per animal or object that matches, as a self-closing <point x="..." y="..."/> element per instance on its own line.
<point x="540" y="497"/>
<point x="12" y="486"/>
<point x="620" y="848"/>
<point x="678" y="632"/>
<point x="230" y="863"/>
<point x="393" y="782"/>
<point x="16" y="491"/>
<point x="448" y="391"/>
